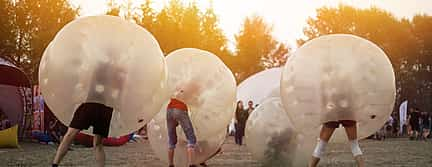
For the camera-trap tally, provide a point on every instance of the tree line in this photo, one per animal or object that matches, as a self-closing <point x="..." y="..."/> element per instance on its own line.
<point x="27" y="26"/>
<point x="407" y="42"/>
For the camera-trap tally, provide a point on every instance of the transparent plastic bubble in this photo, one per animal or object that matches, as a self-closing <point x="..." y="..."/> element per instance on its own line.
<point x="338" y="77"/>
<point x="259" y="86"/>
<point x="157" y="133"/>
<point x="106" y="60"/>
<point x="273" y="140"/>
<point x="202" y="81"/>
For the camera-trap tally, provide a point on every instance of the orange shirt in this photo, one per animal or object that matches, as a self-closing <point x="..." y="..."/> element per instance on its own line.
<point x="177" y="104"/>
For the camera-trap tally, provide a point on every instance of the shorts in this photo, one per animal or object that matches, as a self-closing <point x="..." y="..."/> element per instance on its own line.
<point x="174" y="118"/>
<point x="93" y="114"/>
<point x="335" y="124"/>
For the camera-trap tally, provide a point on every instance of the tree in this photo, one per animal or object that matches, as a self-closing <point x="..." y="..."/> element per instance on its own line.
<point x="113" y="9"/>
<point x="214" y="39"/>
<point x="7" y="42"/>
<point x="421" y="27"/>
<point x="255" y="48"/>
<point x="277" y="57"/>
<point x="49" y="17"/>
<point x="147" y="20"/>
<point x="30" y="25"/>
<point x="180" y="25"/>
<point x="394" y="36"/>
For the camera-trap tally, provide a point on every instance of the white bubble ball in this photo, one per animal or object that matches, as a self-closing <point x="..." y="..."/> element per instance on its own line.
<point x="106" y="60"/>
<point x="338" y="77"/>
<point x="272" y="138"/>
<point x="202" y="81"/>
<point x="158" y="137"/>
<point x="260" y="86"/>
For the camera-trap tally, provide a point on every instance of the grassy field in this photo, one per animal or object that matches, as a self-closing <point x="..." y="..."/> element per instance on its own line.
<point x="392" y="152"/>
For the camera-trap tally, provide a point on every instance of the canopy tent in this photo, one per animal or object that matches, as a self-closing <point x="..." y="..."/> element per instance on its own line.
<point x="15" y="102"/>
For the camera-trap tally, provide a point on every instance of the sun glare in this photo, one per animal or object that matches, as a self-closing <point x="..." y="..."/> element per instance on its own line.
<point x="288" y="17"/>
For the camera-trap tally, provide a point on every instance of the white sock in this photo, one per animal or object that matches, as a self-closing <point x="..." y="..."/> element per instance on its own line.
<point x="355" y="148"/>
<point x="319" y="149"/>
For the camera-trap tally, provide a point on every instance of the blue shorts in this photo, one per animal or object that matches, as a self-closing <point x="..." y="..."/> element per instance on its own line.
<point x="174" y="118"/>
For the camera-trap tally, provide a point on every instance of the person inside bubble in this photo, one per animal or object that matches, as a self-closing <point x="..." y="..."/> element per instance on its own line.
<point x="337" y="110"/>
<point x="107" y="81"/>
<point x="177" y="114"/>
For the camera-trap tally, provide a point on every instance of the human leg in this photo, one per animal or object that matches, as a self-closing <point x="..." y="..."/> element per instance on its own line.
<point x="101" y="125"/>
<point x="242" y="133"/>
<point x="351" y="132"/>
<point x="325" y="134"/>
<point x="172" y="136"/>
<point x="237" y="133"/>
<point x="64" y="145"/>
<point x="80" y="121"/>
<point x="188" y="130"/>
<point x="99" y="151"/>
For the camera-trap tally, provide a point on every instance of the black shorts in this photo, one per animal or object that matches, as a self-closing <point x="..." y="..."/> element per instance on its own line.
<point x="335" y="124"/>
<point x="93" y="114"/>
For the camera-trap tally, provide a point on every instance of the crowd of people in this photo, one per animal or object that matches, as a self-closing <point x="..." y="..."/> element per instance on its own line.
<point x="417" y="126"/>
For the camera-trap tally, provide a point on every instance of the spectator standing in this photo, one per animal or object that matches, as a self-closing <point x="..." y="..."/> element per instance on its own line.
<point x="250" y="107"/>
<point x="241" y="116"/>
<point x="425" y="124"/>
<point x="414" y="120"/>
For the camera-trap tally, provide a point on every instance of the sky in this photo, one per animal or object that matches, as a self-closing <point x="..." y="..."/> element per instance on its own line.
<point x="288" y="17"/>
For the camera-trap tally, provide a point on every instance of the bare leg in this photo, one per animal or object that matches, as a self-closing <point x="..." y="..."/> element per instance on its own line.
<point x="191" y="152"/>
<point x="325" y="135"/>
<point x="99" y="151"/>
<point x="351" y="132"/>
<point x="64" y="145"/>
<point x="171" y="156"/>
<point x="352" y="136"/>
